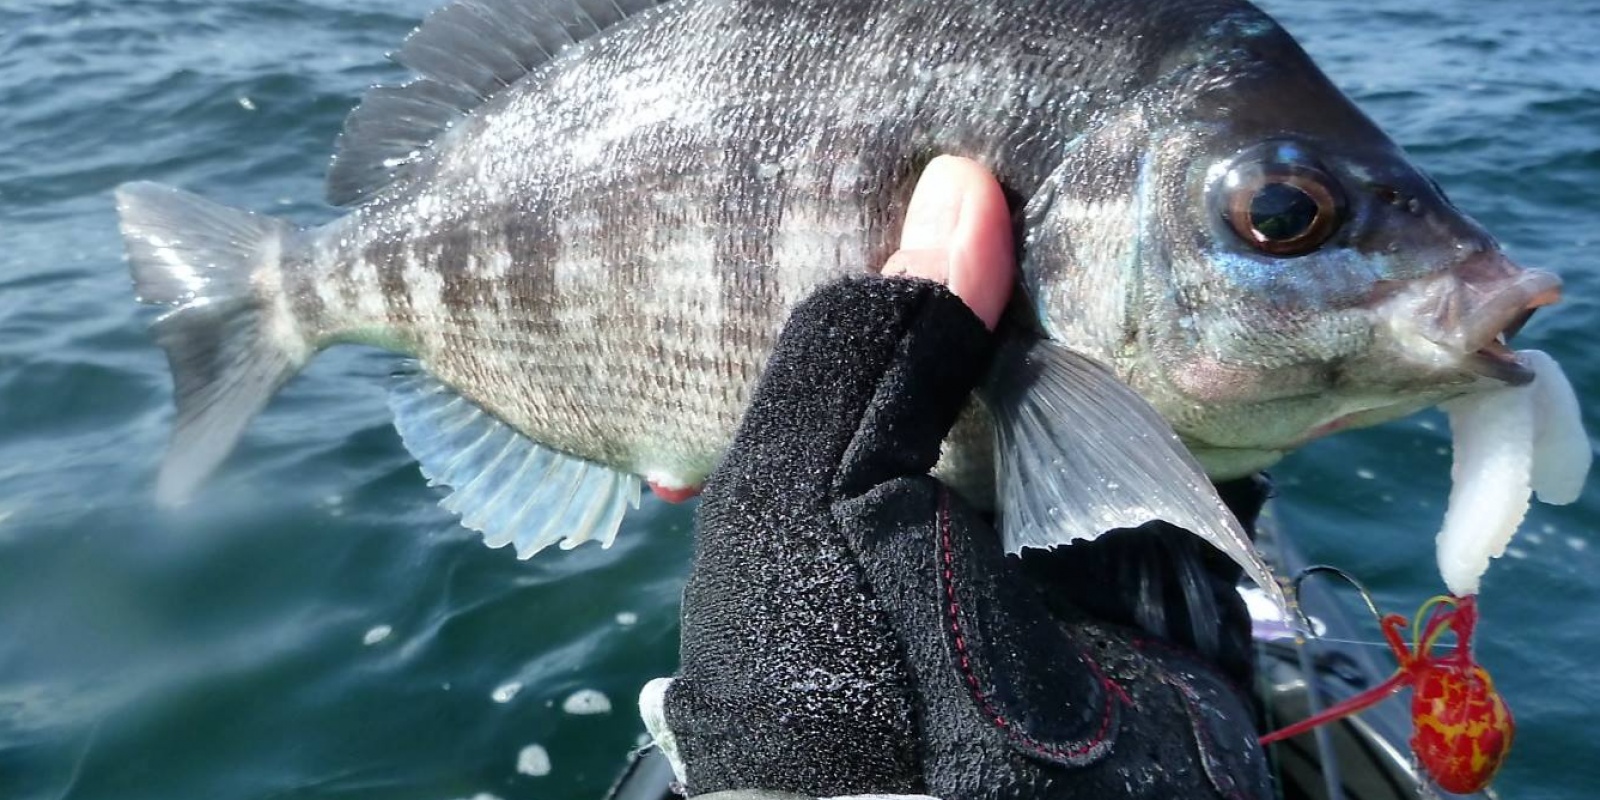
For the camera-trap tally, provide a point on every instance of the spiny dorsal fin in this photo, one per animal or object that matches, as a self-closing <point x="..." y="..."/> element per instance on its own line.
<point x="463" y="54"/>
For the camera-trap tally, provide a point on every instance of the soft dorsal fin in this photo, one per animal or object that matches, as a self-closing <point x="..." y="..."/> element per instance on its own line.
<point x="463" y="54"/>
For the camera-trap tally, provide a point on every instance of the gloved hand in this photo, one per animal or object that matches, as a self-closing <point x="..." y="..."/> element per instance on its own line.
<point x="851" y="627"/>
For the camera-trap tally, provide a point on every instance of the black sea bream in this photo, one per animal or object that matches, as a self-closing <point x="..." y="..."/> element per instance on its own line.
<point x="587" y="220"/>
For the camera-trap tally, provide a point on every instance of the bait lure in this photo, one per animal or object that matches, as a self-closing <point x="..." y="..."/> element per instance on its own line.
<point x="1462" y="726"/>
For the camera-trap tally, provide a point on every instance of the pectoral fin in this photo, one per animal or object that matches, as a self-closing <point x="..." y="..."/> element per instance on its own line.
<point x="1080" y="453"/>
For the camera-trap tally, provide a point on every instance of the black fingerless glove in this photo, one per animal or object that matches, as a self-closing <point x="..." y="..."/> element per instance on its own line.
<point x="851" y="627"/>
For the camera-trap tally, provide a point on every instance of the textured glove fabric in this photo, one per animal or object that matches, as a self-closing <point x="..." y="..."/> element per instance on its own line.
<point x="850" y="627"/>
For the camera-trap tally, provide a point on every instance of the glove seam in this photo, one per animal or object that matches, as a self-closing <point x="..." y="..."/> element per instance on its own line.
<point x="1204" y="740"/>
<point x="1077" y="755"/>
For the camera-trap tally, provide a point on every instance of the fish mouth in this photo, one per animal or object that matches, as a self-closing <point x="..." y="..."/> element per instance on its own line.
<point x="1493" y="300"/>
<point x="1495" y="358"/>
<point x="1498" y="362"/>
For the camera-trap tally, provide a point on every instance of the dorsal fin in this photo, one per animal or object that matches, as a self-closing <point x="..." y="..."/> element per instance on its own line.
<point x="463" y="54"/>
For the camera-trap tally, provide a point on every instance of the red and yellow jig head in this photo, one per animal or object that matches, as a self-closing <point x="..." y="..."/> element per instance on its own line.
<point x="1462" y="726"/>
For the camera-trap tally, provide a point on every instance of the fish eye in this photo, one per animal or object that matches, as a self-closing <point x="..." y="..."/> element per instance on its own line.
<point x="1283" y="206"/>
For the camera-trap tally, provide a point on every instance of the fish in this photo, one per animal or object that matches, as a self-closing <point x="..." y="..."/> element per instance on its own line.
<point x="586" y="222"/>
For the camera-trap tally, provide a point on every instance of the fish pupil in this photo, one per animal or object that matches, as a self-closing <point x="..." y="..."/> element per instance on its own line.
<point x="1280" y="212"/>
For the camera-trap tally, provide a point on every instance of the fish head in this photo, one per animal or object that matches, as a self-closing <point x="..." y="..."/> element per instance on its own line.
<point x="1265" y="266"/>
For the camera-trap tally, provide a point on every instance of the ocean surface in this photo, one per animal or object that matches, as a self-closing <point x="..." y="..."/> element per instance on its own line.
<point x="315" y="627"/>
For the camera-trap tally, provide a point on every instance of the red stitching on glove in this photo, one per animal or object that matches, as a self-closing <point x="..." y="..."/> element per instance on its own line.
<point x="953" y="610"/>
<point x="1204" y="739"/>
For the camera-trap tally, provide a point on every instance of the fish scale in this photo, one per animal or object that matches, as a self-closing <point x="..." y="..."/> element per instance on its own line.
<point x="570" y="359"/>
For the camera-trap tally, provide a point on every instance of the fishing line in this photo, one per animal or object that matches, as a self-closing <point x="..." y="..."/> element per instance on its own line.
<point x="1335" y="640"/>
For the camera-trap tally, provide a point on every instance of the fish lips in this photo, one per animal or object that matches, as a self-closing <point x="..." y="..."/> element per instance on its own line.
<point x="1472" y="310"/>
<point x="1493" y="327"/>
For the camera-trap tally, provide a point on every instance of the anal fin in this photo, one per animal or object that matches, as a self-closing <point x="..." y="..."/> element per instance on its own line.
<point x="511" y="489"/>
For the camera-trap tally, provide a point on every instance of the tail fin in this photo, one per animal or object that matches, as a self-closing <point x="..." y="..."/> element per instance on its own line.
<point x="208" y="262"/>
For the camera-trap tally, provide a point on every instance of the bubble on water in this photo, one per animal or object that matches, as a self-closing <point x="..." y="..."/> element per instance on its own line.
<point x="1532" y="538"/>
<point x="247" y="104"/>
<point x="627" y="619"/>
<point x="480" y="796"/>
<point x="534" y="760"/>
<point x="506" y="692"/>
<point x="1366" y="474"/>
<point x="1516" y="552"/>
<point x="586" y="701"/>
<point x="377" y="634"/>
<point x="1577" y="544"/>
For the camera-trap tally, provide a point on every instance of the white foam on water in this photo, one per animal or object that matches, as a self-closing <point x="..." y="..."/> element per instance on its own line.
<point x="506" y="692"/>
<point x="377" y="634"/>
<point x="586" y="701"/>
<point x="534" y="760"/>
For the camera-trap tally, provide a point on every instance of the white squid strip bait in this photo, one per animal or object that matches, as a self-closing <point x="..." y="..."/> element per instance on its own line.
<point x="1561" y="454"/>
<point x="1508" y="444"/>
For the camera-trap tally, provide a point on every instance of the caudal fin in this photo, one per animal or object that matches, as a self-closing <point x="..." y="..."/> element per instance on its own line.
<point x="212" y="265"/>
